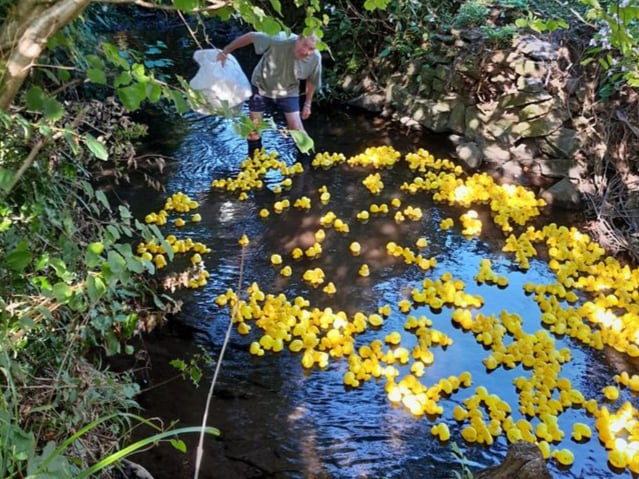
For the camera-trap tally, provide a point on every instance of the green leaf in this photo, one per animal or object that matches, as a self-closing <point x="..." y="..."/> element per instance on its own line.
<point x="186" y="5"/>
<point x="62" y="292"/>
<point x="153" y="92"/>
<point x="95" y="288"/>
<point x="178" y="364"/>
<point x="94" y="61"/>
<point x="277" y="6"/>
<point x="6" y="178"/>
<point x="101" y="197"/>
<point x="139" y="73"/>
<point x="135" y="264"/>
<point x="111" y="343"/>
<point x="34" y="98"/>
<point x="92" y="256"/>
<point x="18" y="260"/>
<point x="131" y="449"/>
<point x="41" y="282"/>
<point x="97" y="149"/>
<point x="122" y="79"/>
<point x="97" y="247"/>
<point x="181" y="105"/>
<point x="61" y="269"/>
<point x="125" y="213"/>
<point x="271" y="26"/>
<point x="196" y="374"/>
<point x="97" y="76"/>
<point x="178" y="444"/>
<point x="72" y="141"/>
<point x="52" y="109"/>
<point x="304" y="142"/>
<point x="132" y="96"/>
<point x="116" y="262"/>
<point x="114" y="232"/>
<point x="113" y="54"/>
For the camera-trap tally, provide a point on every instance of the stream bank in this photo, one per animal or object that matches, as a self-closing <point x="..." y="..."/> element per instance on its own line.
<point x="528" y="113"/>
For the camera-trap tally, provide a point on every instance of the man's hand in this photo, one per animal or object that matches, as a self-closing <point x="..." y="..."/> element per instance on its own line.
<point x="306" y="111"/>
<point x="221" y="57"/>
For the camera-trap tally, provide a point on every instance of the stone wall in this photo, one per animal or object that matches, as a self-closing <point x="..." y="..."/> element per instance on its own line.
<point x="509" y="111"/>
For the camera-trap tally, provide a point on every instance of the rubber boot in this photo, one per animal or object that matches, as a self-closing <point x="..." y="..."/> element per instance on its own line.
<point x="253" y="146"/>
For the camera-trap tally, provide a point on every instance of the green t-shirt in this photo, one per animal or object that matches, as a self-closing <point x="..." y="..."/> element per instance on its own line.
<point x="278" y="72"/>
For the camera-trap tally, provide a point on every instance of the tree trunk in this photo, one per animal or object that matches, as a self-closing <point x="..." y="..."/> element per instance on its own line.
<point x="523" y="461"/>
<point x="24" y="35"/>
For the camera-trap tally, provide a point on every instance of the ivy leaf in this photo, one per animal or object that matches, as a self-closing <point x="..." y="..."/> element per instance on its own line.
<point x="124" y="78"/>
<point x="96" y="75"/>
<point x="92" y="256"/>
<point x="62" y="292"/>
<point x="178" y="364"/>
<point x="97" y="149"/>
<point x="95" y="288"/>
<point x="271" y="26"/>
<point x="94" y="61"/>
<point x="132" y="96"/>
<point x="139" y="73"/>
<point x="18" y="260"/>
<point x="304" y="142"/>
<point x="113" y="54"/>
<point x="181" y="105"/>
<point x="153" y="92"/>
<point x="185" y="5"/>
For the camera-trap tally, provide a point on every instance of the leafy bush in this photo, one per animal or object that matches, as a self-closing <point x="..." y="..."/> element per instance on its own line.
<point x="472" y="13"/>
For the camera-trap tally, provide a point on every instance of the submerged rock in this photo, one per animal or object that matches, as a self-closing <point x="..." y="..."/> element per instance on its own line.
<point x="523" y="461"/>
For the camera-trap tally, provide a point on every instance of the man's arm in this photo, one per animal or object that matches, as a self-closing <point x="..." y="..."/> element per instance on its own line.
<point x="310" y="91"/>
<point x="239" y="42"/>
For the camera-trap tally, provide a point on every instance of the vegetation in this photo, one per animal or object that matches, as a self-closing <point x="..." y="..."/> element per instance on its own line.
<point x="72" y="288"/>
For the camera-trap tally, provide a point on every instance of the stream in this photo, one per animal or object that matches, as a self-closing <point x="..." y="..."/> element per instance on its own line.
<point x="280" y="420"/>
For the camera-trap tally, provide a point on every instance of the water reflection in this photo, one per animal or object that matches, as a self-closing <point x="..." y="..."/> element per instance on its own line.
<point x="279" y="420"/>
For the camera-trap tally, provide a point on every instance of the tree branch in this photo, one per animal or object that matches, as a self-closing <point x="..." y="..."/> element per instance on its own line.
<point x="32" y="40"/>
<point x="214" y="5"/>
<point x="28" y="161"/>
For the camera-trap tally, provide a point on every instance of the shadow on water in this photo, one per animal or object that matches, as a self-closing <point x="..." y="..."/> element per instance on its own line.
<point x="278" y="420"/>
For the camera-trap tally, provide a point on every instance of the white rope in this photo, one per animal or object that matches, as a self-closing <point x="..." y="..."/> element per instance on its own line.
<point x="200" y="446"/>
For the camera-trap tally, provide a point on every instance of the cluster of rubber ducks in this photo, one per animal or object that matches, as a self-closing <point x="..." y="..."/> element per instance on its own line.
<point x="178" y="202"/>
<point x="373" y="183"/>
<point x="595" y="300"/>
<point x="319" y="335"/>
<point x="376" y="157"/>
<point x="252" y="172"/>
<point x="508" y="203"/>
<point x="161" y="252"/>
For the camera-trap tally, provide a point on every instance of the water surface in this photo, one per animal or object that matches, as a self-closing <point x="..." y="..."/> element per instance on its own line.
<point x="278" y="419"/>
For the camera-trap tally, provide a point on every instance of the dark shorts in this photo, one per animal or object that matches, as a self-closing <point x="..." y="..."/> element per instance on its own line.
<point x="259" y="103"/>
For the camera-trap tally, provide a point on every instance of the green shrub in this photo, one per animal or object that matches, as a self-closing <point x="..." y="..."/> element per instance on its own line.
<point x="472" y="13"/>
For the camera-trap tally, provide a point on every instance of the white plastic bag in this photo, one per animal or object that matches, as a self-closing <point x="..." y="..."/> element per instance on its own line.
<point x="220" y="85"/>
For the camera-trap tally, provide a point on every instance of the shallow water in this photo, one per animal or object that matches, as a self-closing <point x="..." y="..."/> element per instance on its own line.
<point x="278" y="419"/>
